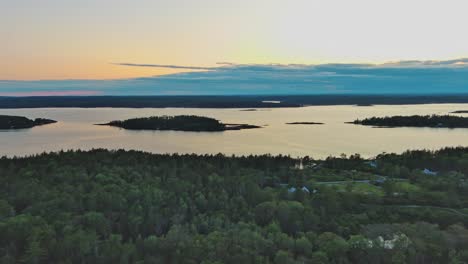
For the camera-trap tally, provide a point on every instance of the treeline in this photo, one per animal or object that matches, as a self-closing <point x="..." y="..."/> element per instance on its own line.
<point x="448" y="121"/>
<point x="133" y="207"/>
<point x="248" y="101"/>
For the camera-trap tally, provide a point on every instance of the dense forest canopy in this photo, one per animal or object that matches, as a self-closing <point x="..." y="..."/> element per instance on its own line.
<point x="178" y="123"/>
<point x="18" y="122"/>
<point x="133" y="207"/>
<point x="449" y="121"/>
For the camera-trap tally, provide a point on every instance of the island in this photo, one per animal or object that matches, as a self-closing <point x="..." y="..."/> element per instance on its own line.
<point x="19" y="122"/>
<point x="304" y="123"/>
<point x="460" y="112"/>
<point x="442" y="121"/>
<point x="178" y="123"/>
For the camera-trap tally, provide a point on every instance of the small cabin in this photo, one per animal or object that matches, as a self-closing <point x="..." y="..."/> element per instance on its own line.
<point x="303" y="189"/>
<point x="372" y="163"/>
<point x="429" y="172"/>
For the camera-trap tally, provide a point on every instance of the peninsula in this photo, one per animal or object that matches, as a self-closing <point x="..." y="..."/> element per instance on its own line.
<point x="304" y="123"/>
<point x="19" y="122"/>
<point x="178" y="123"/>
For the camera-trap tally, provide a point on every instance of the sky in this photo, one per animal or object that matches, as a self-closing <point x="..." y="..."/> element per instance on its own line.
<point x="63" y="41"/>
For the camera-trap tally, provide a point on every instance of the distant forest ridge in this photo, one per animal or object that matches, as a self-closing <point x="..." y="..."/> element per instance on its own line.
<point x="251" y="101"/>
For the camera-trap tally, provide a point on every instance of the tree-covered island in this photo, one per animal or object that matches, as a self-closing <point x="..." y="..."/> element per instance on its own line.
<point x="443" y="121"/>
<point x="178" y="123"/>
<point x="19" y="122"/>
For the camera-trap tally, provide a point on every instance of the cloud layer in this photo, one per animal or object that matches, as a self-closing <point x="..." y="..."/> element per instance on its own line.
<point x="404" y="77"/>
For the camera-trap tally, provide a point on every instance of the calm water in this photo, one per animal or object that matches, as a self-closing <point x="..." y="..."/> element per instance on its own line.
<point x="75" y="130"/>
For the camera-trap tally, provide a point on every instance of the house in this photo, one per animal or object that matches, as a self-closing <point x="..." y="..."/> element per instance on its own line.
<point x="303" y="189"/>
<point x="429" y="172"/>
<point x="311" y="165"/>
<point x="379" y="181"/>
<point x="372" y="163"/>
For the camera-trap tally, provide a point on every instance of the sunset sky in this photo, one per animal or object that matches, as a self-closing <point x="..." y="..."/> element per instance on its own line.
<point x="71" y="39"/>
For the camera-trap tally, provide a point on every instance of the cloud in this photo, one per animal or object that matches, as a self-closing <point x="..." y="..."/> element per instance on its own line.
<point x="226" y="63"/>
<point x="404" y="77"/>
<point x="50" y="93"/>
<point x="231" y="65"/>
<point x="427" y="63"/>
<point x="165" y="66"/>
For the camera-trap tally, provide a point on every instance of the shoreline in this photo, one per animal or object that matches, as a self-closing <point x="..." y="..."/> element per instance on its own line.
<point x="224" y="102"/>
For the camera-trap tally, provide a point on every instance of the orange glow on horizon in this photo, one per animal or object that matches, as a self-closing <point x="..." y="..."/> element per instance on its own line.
<point x="105" y="71"/>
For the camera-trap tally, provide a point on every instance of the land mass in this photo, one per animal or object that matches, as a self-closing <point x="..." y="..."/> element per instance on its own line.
<point x="304" y="123"/>
<point x="19" y="122"/>
<point x="460" y="112"/>
<point x="104" y="206"/>
<point x="252" y="101"/>
<point x="443" y="121"/>
<point x="178" y="123"/>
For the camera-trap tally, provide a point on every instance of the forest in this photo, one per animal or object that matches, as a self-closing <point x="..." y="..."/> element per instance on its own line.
<point x="178" y="123"/>
<point x="103" y="206"/>
<point x="19" y="122"/>
<point x="447" y="121"/>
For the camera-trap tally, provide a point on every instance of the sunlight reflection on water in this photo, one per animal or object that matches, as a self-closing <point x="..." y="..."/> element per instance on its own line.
<point x="75" y="130"/>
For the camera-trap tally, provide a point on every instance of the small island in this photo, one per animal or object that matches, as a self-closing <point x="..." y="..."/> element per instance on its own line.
<point x="20" y="122"/>
<point x="304" y="123"/>
<point x="178" y="123"/>
<point x="442" y="121"/>
<point x="460" y="112"/>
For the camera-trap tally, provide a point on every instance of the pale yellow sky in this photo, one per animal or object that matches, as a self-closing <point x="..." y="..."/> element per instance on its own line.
<point x="79" y="39"/>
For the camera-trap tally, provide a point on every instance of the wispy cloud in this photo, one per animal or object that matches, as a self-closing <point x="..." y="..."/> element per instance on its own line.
<point x="404" y="63"/>
<point x="427" y="63"/>
<point x="50" y="93"/>
<point x="165" y="66"/>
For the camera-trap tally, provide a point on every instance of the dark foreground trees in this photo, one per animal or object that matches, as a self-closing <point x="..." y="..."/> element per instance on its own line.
<point x="132" y="207"/>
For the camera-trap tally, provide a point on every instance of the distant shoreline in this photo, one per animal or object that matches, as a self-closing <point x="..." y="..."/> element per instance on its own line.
<point x="250" y="102"/>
